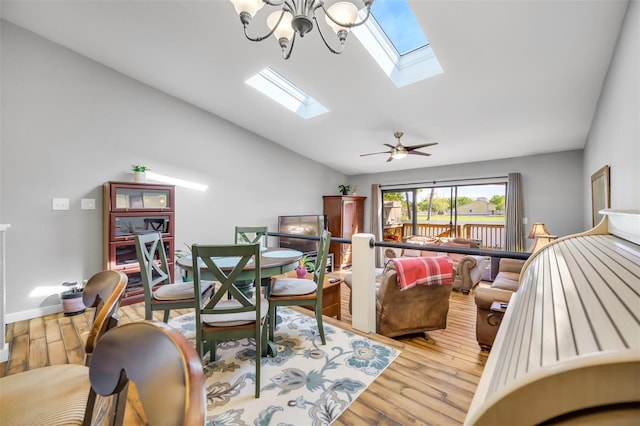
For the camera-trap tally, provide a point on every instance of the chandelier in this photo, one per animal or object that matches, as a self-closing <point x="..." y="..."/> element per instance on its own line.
<point x="295" y="17"/>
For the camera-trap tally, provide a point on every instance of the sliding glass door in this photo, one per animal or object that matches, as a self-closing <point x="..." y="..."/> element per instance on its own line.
<point x="464" y="211"/>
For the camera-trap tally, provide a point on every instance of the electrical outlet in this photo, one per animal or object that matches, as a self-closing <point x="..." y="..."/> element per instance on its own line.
<point x="88" y="204"/>
<point x="59" y="204"/>
<point x="524" y="220"/>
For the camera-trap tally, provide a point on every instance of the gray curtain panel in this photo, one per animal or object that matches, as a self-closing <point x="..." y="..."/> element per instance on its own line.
<point x="514" y="232"/>
<point x="376" y="217"/>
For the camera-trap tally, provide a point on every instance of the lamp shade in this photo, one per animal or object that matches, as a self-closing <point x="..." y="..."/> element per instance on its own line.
<point x="249" y="6"/>
<point x="538" y="230"/>
<point x="344" y="12"/>
<point x="284" y="30"/>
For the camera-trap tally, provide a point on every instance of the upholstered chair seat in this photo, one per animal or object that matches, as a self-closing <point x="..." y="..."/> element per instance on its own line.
<point x="293" y="286"/>
<point x="178" y="291"/>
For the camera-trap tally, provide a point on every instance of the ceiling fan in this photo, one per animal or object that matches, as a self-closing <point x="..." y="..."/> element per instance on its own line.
<point x="400" y="151"/>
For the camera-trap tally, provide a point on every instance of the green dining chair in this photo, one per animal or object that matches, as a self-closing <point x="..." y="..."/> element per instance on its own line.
<point x="236" y="318"/>
<point x="301" y="292"/>
<point x="160" y="293"/>
<point x="250" y="235"/>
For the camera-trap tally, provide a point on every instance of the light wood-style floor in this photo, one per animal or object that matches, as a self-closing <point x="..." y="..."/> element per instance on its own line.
<point x="431" y="382"/>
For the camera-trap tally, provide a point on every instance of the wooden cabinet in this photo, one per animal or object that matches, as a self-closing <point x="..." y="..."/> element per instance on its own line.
<point x="345" y="217"/>
<point x="131" y="209"/>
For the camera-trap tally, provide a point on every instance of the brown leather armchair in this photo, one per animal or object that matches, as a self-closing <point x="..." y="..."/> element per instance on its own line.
<point x="416" y="310"/>
<point x="504" y="285"/>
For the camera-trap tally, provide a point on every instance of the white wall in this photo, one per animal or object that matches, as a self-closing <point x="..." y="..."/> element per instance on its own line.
<point x="70" y="124"/>
<point x="551" y="185"/>
<point x="614" y="138"/>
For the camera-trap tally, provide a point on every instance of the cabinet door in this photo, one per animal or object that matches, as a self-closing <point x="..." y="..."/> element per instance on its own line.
<point x="348" y="218"/>
<point x="125" y="226"/>
<point x="125" y="197"/>
<point x="122" y="254"/>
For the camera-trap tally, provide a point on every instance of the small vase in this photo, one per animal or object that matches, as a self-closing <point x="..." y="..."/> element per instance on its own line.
<point x="139" y="176"/>
<point x="301" y="273"/>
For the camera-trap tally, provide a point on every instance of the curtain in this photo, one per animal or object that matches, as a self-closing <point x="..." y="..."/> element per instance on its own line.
<point x="514" y="230"/>
<point x="376" y="216"/>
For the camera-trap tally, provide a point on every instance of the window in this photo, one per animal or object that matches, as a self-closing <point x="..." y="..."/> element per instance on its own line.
<point x="394" y="38"/>
<point x="465" y="211"/>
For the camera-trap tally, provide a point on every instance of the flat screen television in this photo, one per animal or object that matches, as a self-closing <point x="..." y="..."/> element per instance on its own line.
<point x="310" y="225"/>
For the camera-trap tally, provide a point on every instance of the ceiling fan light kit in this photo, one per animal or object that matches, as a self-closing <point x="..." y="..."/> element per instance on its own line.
<point x="399" y="151"/>
<point x="295" y="18"/>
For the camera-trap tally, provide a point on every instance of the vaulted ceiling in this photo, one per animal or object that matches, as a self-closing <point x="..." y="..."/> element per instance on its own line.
<point x="520" y="77"/>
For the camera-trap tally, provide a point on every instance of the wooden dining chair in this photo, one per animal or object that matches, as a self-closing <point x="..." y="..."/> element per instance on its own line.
<point x="163" y="365"/>
<point x="221" y="318"/>
<point x="160" y="292"/>
<point x="61" y="394"/>
<point x="301" y="292"/>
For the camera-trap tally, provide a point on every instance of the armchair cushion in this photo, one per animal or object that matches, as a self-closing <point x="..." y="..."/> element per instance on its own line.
<point x="456" y="256"/>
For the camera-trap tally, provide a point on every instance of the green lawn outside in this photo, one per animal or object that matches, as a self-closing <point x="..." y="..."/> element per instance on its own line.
<point x="422" y="218"/>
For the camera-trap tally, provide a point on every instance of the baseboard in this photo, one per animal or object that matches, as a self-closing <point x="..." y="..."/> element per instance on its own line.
<point x="4" y="353"/>
<point x="32" y="313"/>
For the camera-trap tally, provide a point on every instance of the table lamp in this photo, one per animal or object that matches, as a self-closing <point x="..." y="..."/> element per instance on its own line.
<point x="540" y="235"/>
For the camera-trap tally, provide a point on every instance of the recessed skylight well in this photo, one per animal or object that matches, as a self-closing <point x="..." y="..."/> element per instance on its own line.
<point x="397" y="43"/>
<point x="287" y="94"/>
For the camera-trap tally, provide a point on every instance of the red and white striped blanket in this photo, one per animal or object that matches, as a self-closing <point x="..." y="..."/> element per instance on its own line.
<point x="412" y="271"/>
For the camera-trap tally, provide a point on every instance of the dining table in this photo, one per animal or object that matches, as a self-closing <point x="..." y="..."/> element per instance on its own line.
<point x="273" y="261"/>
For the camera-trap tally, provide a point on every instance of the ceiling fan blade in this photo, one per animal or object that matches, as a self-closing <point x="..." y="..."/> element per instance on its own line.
<point x="412" y="147"/>
<point x="389" y="159"/>
<point x="390" y="146"/>
<point x="426" y="154"/>
<point x="375" y="153"/>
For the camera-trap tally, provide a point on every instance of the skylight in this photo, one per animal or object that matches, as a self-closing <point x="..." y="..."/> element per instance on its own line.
<point x="287" y="94"/>
<point x="397" y="43"/>
<point x="399" y="24"/>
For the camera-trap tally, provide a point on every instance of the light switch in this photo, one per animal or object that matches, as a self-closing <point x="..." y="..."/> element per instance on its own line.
<point x="59" y="204"/>
<point x="88" y="204"/>
<point x="524" y="220"/>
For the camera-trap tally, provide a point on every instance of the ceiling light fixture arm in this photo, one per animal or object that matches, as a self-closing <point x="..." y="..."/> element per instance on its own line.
<point x="283" y="44"/>
<point x="342" y="36"/>
<point x="245" y="18"/>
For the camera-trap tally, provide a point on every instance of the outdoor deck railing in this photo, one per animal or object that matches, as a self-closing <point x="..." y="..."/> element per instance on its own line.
<point x="491" y="235"/>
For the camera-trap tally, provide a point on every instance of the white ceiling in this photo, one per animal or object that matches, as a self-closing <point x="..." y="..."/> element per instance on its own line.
<point x="520" y="77"/>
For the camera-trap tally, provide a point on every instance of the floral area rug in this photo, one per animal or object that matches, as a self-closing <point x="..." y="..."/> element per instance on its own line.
<point x="306" y="383"/>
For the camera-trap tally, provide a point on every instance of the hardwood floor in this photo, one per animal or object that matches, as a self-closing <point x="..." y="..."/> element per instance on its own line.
<point x="431" y="382"/>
